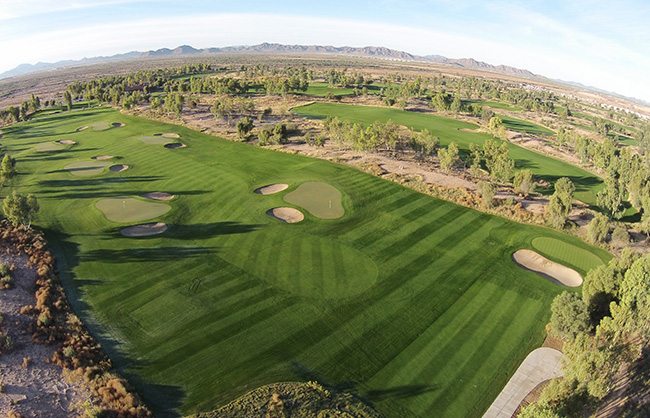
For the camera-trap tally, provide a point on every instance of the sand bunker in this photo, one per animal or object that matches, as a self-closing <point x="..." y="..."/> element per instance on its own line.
<point x="82" y="128"/>
<point x="118" y="168"/>
<point x="170" y="135"/>
<point x="66" y="142"/>
<point x="100" y="126"/>
<point x="157" y="196"/>
<point x="144" y="230"/>
<point x="271" y="188"/>
<point x="102" y="157"/>
<point x="175" y="145"/>
<point x="553" y="271"/>
<point x="285" y="214"/>
<point x="117" y="124"/>
<point x="48" y="146"/>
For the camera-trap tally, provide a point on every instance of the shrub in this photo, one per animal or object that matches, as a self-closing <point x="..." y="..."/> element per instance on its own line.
<point x="26" y="362"/>
<point x="487" y="190"/>
<point x="4" y="270"/>
<point x="597" y="229"/>
<point x="621" y="236"/>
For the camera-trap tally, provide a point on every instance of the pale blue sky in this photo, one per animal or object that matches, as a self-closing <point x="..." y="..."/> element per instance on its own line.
<point x="601" y="43"/>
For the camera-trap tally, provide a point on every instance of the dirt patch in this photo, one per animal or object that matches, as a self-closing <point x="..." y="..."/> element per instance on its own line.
<point x="118" y="168"/>
<point x="468" y="130"/>
<point x="175" y="145"/>
<point x="157" y="196"/>
<point x="144" y="230"/>
<point x="271" y="188"/>
<point x="170" y="135"/>
<point x="285" y="214"/>
<point x="82" y="128"/>
<point x="117" y="124"/>
<point x="102" y="157"/>
<point x="41" y="389"/>
<point x="551" y="270"/>
<point x="66" y="142"/>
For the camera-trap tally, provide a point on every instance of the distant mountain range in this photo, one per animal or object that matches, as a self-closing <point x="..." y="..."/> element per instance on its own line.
<point x="368" y="51"/>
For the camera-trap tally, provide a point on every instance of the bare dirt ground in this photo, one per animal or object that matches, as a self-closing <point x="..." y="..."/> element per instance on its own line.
<point x="39" y="389"/>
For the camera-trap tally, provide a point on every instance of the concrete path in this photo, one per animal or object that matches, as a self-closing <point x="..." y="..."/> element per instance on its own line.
<point x="540" y="365"/>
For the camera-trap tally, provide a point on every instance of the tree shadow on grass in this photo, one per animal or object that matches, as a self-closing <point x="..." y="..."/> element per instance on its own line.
<point x="101" y="192"/>
<point x="398" y="392"/>
<point x="155" y="254"/>
<point x="99" y="182"/>
<point x="209" y="230"/>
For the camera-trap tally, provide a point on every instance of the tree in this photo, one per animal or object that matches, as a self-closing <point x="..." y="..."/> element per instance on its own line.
<point x="475" y="156"/>
<point x="19" y="209"/>
<point x="495" y="126"/>
<point x="67" y="97"/>
<point x="488" y="190"/>
<point x="598" y="229"/>
<point x="7" y="169"/>
<point x="611" y="197"/>
<point x="456" y="105"/>
<point x="564" y="189"/>
<point x="632" y="313"/>
<point x="448" y="156"/>
<point x="523" y="182"/>
<point x="569" y="316"/>
<point x="244" y="126"/>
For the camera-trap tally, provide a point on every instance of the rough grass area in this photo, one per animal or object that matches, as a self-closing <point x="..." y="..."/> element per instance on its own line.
<point x="87" y="168"/>
<point x="577" y="257"/>
<point x="216" y="306"/>
<point x="128" y="209"/>
<point x="293" y="400"/>
<point x="448" y="130"/>
<point x="320" y="199"/>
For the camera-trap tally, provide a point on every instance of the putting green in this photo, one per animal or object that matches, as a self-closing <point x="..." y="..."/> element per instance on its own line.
<point x="567" y="253"/>
<point x="100" y="126"/>
<point x="154" y="140"/>
<point x="87" y="168"/>
<point x="320" y="199"/>
<point x="128" y="209"/>
<point x="48" y="146"/>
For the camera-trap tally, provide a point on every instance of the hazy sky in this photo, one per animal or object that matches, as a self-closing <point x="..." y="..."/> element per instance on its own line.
<point x="605" y="44"/>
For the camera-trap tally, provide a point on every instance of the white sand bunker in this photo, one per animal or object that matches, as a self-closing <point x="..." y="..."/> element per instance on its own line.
<point x="102" y="157"/>
<point x="553" y="271"/>
<point x="157" y="196"/>
<point x="170" y="135"/>
<point x="285" y="214"/>
<point x="117" y="124"/>
<point x="144" y="230"/>
<point x="118" y="167"/>
<point x="175" y="145"/>
<point x="66" y="142"/>
<point x="271" y="188"/>
<point x="82" y="128"/>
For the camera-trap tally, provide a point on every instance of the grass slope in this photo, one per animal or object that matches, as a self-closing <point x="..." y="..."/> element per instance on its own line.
<point x="202" y="314"/>
<point x="544" y="167"/>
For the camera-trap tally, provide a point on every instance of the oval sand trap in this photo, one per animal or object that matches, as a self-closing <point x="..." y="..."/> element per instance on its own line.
<point x="102" y="157"/>
<point x="87" y="168"/>
<point x="285" y="214"/>
<point x="66" y="142"/>
<point x="82" y="128"/>
<point x="320" y="199"/>
<point x="129" y="209"/>
<point x="48" y="146"/>
<point x="117" y="124"/>
<point x="170" y="135"/>
<point x="175" y="145"/>
<point x="271" y="188"/>
<point x="118" y="168"/>
<point x="157" y="196"/>
<point x="553" y="271"/>
<point x="144" y="230"/>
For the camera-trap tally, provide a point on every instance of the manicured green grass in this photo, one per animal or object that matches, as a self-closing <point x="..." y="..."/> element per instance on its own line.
<point x="87" y="168"/>
<point x="101" y="126"/>
<point x="48" y="146"/>
<point x="155" y="139"/>
<point x="580" y="258"/>
<point x="495" y="105"/>
<point x="320" y="199"/>
<point x="448" y="130"/>
<point x="129" y="209"/>
<point x="414" y="304"/>
<point x="320" y="89"/>
<point x="523" y="126"/>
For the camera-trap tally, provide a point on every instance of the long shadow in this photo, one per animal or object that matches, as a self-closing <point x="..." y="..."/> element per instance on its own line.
<point x="398" y="392"/>
<point x="101" y="181"/>
<point x="209" y="230"/>
<point x="164" y="400"/>
<point x="99" y="192"/>
<point x="157" y="254"/>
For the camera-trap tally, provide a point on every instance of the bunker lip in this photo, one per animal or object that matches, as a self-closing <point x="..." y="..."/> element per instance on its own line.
<point x="82" y="128"/>
<point x="66" y="142"/>
<point x="102" y="157"/>
<point x="175" y="145"/>
<point x="157" y="196"/>
<point x="170" y="135"/>
<point x="557" y="273"/>
<point x="118" y="167"/>
<point x="271" y="188"/>
<point x="286" y="214"/>
<point x="144" y="230"/>
<point x="117" y="124"/>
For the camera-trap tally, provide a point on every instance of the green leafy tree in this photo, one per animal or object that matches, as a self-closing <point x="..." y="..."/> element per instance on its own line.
<point x="244" y="126"/>
<point x="448" y="157"/>
<point x="67" y="98"/>
<point x="560" y="202"/>
<point x="569" y="316"/>
<point x="475" y="156"/>
<point x="611" y="197"/>
<point x="488" y="190"/>
<point x="523" y="182"/>
<point x="7" y="169"/>
<point x="598" y="229"/>
<point x="19" y="209"/>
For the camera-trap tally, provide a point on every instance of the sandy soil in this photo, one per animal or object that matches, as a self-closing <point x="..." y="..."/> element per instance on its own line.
<point x="157" y="196"/>
<point x="175" y="145"/>
<point x="41" y="389"/>
<point x="272" y="188"/>
<point x="66" y="142"/>
<point x="117" y="124"/>
<point x="102" y="157"/>
<point x="118" y="168"/>
<point x="144" y="230"/>
<point x="82" y="128"/>
<point x="284" y="214"/>
<point x="558" y="273"/>
<point x="170" y="135"/>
